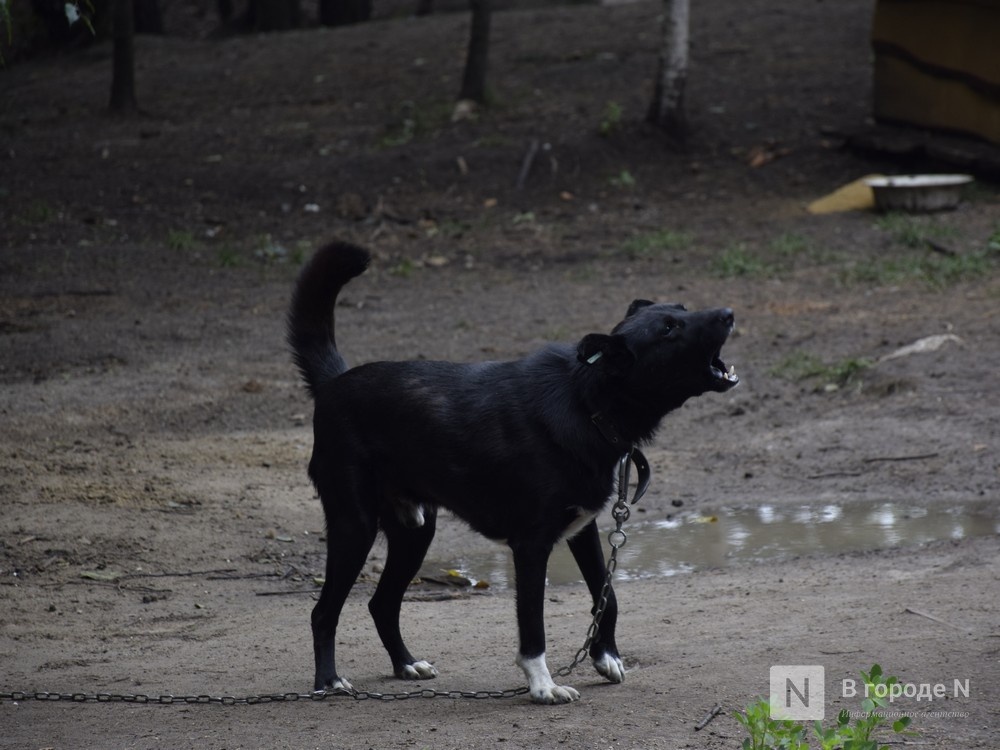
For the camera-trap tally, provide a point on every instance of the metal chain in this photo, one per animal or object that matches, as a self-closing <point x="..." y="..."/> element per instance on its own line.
<point x="619" y="511"/>
<point x="617" y="539"/>
<point x="251" y="700"/>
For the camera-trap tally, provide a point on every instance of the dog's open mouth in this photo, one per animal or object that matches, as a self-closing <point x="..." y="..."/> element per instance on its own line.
<point x="724" y="377"/>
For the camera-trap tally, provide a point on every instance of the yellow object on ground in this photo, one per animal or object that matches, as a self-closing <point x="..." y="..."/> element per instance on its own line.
<point x="854" y="196"/>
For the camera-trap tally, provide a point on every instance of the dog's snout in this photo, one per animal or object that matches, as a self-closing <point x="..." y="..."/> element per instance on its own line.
<point x="726" y="317"/>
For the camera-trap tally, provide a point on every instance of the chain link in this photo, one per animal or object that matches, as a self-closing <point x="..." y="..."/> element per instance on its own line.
<point x="619" y="511"/>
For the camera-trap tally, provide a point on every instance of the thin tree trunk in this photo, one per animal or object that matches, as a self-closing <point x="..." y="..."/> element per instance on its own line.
<point x="123" y="59"/>
<point x="148" y="17"/>
<point x="667" y="108"/>
<point x="477" y="60"/>
<point x="344" y="12"/>
<point x="275" y="15"/>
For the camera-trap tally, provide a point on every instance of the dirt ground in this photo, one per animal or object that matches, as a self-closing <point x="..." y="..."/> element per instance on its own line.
<point x="158" y="532"/>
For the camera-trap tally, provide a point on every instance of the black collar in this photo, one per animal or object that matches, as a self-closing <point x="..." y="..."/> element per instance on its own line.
<point x="609" y="432"/>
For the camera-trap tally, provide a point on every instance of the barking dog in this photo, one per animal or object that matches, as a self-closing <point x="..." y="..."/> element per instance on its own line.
<point x="509" y="447"/>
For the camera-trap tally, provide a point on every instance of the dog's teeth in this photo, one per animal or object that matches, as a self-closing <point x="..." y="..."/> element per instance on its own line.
<point x="732" y="371"/>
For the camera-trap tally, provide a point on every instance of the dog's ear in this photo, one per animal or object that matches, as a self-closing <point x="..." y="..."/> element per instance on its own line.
<point x="607" y="353"/>
<point x="636" y="306"/>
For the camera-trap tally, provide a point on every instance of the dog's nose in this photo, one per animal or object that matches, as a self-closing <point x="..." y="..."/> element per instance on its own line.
<point x="726" y="316"/>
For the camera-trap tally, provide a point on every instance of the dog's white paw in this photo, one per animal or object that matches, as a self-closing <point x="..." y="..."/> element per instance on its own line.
<point x="610" y="667"/>
<point x="419" y="670"/>
<point x="541" y="688"/>
<point x="341" y="686"/>
<point x="554" y="694"/>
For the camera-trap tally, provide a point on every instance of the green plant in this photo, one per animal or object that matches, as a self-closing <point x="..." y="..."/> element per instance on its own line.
<point x="494" y="140"/>
<point x="229" y="257"/>
<point x="847" y="370"/>
<point x="859" y="736"/>
<point x="404" y="269"/>
<point x="932" y="269"/>
<point x="268" y="251"/>
<point x="413" y="120"/>
<point x="180" y="239"/>
<point x="801" y="365"/>
<point x="611" y="120"/>
<point x="993" y="241"/>
<point x="770" y="734"/>
<point x="789" y="244"/>
<point x="656" y="243"/>
<point x="737" y="261"/>
<point x="623" y="179"/>
<point x="913" y="231"/>
<point x="36" y="213"/>
<point x="767" y="733"/>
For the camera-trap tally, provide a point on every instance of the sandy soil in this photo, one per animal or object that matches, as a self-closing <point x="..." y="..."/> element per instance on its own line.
<point x="158" y="533"/>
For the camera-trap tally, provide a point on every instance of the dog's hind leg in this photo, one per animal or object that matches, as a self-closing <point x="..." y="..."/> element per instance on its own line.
<point x="407" y="545"/>
<point x="589" y="555"/>
<point x="349" y="536"/>
<point x="530" y="561"/>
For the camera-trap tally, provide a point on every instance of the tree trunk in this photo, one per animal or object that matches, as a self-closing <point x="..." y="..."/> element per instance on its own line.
<point x="274" y="15"/>
<point x="123" y="59"/>
<point x="344" y="12"/>
<point x="667" y="108"/>
<point x="477" y="60"/>
<point x="148" y="18"/>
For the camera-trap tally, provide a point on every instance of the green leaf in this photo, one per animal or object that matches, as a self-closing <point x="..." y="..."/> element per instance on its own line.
<point x="868" y="705"/>
<point x="901" y="724"/>
<point x="876" y="672"/>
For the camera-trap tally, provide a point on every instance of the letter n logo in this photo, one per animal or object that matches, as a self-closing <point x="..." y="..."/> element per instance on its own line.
<point x="797" y="692"/>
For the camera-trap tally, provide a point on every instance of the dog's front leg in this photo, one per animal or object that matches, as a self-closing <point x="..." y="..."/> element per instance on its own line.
<point x="589" y="555"/>
<point x="530" y="561"/>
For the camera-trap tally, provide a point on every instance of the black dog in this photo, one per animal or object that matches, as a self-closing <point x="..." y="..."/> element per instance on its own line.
<point x="509" y="447"/>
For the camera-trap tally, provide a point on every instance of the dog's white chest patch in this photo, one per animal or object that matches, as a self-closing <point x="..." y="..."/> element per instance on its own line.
<point x="583" y="517"/>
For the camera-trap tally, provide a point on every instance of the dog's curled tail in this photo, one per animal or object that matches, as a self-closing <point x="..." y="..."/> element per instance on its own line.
<point x="311" y="317"/>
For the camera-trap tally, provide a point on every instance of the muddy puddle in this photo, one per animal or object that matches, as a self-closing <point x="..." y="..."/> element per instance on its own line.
<point x="686" y="542"/>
